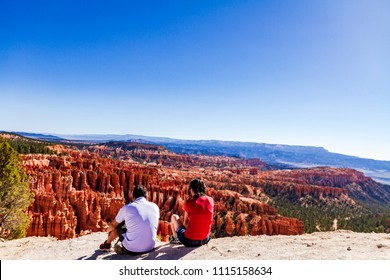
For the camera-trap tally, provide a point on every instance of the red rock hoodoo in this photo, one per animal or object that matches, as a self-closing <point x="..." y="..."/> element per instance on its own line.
<point x="80" y="191"/>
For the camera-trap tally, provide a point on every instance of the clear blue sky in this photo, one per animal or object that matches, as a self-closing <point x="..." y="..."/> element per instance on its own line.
<point x="288" y="72"/>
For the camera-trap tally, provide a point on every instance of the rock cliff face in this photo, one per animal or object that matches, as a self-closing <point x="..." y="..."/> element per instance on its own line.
<point x="80" y="192"/>
<point x="160" y="156"/>
<point x="328" y="182"/>
<point x="77" y="194"/>
<point x="81" y="189"/>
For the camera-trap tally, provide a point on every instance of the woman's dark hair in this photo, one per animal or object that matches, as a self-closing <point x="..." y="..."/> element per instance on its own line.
<point x="139" y="191"/>
<point x="198" y="186"/>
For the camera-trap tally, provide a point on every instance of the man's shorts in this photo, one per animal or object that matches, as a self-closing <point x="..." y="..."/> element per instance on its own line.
<point x="121" y="230"/>
<point x="189" y="242"/>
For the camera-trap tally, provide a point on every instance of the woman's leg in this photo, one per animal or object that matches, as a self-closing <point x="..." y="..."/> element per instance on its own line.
<point x="175" y="223"/>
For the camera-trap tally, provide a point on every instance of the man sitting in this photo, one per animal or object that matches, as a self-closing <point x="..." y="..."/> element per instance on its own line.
<point x="135" y="224"/>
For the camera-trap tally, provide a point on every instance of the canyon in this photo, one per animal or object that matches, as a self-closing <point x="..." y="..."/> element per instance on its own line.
<point x="80" y="189"/>
<point x="80" y="193"/>
<point x="80" y="186"/>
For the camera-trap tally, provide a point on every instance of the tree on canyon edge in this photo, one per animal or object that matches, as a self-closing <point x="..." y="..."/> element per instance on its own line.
<point x="15" y="194"/>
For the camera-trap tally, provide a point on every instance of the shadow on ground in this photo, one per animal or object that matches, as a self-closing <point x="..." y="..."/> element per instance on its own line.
<point x="162" y="252"/>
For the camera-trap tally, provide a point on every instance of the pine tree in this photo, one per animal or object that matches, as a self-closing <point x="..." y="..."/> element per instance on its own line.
<point x="15" y="194"/>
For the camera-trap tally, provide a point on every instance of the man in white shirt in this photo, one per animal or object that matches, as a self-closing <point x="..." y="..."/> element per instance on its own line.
<point x="135" y="224"/>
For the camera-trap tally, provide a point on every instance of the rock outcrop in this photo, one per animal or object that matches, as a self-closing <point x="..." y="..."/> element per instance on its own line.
<point x="81" y="188"/>
<point x="81" y="192"/>
<point x="321" y="182"/>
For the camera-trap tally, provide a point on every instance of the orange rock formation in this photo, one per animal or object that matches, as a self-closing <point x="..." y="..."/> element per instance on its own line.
<point x="81" y="192"/>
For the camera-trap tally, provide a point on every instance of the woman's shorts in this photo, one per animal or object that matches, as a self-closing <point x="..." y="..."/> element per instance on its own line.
<point x="189" y="242"/>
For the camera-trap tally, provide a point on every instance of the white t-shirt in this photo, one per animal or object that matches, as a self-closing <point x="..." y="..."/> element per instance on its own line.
<point x="141" y="219"/>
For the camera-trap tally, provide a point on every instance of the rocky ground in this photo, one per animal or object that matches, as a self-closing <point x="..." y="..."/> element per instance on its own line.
<point x="343" y="245"/>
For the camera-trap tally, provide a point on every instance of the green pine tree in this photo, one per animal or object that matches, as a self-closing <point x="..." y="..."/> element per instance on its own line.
<point x="15" y="194"/>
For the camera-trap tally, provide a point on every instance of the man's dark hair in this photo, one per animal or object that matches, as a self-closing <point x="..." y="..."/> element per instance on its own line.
<point x="198" y="186"/>
<point x="139" y="191"/>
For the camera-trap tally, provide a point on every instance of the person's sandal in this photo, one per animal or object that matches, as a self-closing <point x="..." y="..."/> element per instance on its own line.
<point x="105" y="246"/>
<point x="119" y="249"/>
<point x="174" y="240"/>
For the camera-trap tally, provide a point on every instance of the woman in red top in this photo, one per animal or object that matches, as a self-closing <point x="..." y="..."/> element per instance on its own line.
<point x="199" y="215"/>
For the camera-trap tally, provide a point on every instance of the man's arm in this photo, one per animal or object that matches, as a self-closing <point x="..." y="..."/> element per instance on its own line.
<point x="112" y="226"/>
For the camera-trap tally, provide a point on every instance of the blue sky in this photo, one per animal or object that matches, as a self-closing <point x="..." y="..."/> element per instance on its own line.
<point x="288" y="72"/>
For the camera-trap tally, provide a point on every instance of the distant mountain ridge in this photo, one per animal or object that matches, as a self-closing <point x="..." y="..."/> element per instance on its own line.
<point x="287" y="156"/>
